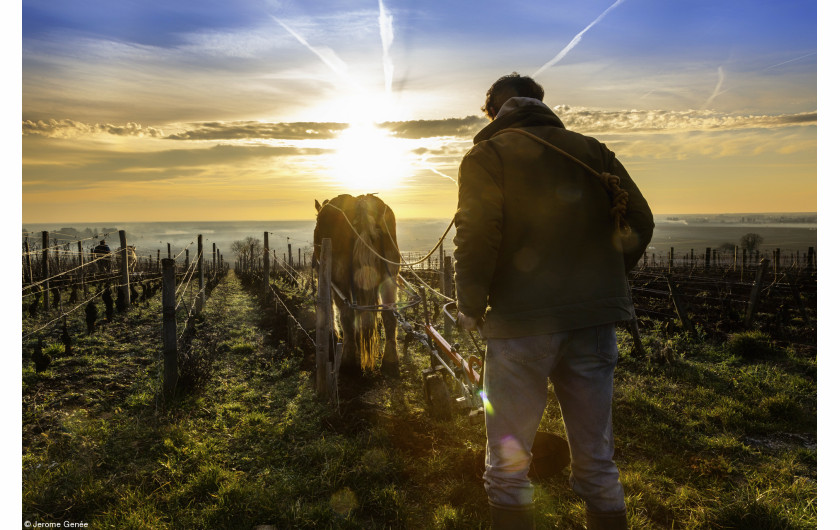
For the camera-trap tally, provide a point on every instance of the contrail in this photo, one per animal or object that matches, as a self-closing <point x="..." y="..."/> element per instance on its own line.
<point x="386" y="32"/>
<point x="574" y="42"/>
<point x="791" y="60"/>
<point x="326" y="55"/>
<point x="441" y="174"/>
<point x="428" y="166"/>
<point x="717" y="91"/>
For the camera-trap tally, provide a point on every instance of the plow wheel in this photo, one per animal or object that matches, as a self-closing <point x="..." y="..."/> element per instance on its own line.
<point x="438" y="402"/>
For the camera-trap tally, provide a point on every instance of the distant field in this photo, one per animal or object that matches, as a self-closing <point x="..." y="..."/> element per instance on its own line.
<point x="420" y="235"/>
<point x="684" y="237"/>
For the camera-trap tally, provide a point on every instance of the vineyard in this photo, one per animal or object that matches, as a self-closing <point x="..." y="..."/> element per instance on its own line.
<point x="179" y="391"/>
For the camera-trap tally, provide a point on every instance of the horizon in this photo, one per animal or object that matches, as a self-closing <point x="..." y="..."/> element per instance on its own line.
<point x="312" y="219"/>
<point x="252" y="110"/>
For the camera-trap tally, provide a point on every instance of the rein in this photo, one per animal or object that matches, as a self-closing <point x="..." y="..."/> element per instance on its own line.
<point x="612" y="183"/>
<point x="383" y="258"/>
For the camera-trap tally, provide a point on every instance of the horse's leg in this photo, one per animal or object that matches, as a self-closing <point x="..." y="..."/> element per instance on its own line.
<point x="390" y="363"/>
<point x="350" y="355"/>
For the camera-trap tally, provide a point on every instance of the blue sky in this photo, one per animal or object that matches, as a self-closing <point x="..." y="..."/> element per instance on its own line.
<point x="711" y="105"/>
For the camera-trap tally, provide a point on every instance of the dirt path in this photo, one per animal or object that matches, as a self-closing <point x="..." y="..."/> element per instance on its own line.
<point x="248" y="444"/>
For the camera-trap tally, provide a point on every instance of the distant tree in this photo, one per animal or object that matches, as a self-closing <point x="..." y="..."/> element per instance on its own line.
<point x="249" y="248"/>
<point x="751" y="241"/>
<point x="248" y="244"/>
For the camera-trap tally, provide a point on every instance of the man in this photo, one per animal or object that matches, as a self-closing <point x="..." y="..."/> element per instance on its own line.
<point x="540" y="268"/>
<point x="103" y="251"/>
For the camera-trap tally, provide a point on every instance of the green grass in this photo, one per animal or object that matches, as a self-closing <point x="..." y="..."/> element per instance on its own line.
<point x="707" y="436"/>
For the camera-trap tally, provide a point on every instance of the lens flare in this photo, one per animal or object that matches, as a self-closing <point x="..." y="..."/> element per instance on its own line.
<point x="513" y="454"/>
<point x="488" y="407"/>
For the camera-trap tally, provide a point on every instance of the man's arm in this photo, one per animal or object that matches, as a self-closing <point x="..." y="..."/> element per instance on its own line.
<point x="478" y="229"/>
<point x="638" y="216"/>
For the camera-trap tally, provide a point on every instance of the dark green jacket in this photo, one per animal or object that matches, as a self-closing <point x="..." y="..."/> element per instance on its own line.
<point x="534" y="237"/>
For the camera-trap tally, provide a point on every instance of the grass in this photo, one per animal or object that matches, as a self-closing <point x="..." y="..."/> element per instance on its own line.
<point x="707" y="436"/>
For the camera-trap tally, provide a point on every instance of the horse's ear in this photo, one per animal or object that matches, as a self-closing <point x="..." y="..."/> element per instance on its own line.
<point x="317" y="206"/>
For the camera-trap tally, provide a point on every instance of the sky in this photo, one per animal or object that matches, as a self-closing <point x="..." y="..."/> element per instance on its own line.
<point x="250" y="110"/>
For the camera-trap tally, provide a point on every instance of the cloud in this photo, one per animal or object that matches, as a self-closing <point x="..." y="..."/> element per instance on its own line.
<point x="75" y="129"/>
<point x="590" y="121"/>
<point x="86" y="168"/>
<point x="579" y="119"/>
<point x="459" y="127"/>
<point x="244" y="130"/>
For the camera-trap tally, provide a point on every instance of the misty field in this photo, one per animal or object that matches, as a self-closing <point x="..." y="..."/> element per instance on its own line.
<point x="710" y="432"/>
<point x="419" y="235"/>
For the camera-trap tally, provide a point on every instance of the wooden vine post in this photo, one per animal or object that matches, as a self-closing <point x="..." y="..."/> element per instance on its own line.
<point x="124" y="270"/>
<point x="266" y="267"/>
<point x="200" y="265"/>
<point x="755" y="294"/>
<point x="45" y="267"/>
<point x="323" y="320"/>
<point x="170" y="337"/>
<point x="638" y="346"/>
<point x="678" y="305"/>
<point x="82" y="269"/>
<point x="447" y="290"/>
<point x="27" y="271"/>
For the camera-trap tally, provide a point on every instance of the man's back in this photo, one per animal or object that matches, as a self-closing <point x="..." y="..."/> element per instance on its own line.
<point x="535" y="235"/>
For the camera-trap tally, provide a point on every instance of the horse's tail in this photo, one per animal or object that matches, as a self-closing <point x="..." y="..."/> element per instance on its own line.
<point x="368" y="272"/>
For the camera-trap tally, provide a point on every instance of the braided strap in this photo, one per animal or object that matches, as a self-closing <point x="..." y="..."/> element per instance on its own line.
<point x="620" y="197"/>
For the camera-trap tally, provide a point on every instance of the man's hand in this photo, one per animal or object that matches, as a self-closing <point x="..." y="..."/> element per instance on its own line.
<point x="468" y="323"/>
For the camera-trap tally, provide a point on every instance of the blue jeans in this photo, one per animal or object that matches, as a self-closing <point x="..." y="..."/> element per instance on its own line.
<point x="580" y="363"/>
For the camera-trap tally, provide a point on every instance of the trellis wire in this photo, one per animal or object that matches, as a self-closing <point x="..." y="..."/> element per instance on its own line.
<point x="64" y="314"/>
<point x="31" y="285"/>
<point x="293" y="317"/>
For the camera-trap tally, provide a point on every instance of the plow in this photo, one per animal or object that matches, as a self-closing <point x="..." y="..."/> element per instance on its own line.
<point x="446" y="361"/>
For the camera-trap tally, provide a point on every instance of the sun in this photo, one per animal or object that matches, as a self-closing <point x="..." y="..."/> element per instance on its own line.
<point x="368" y="160"/>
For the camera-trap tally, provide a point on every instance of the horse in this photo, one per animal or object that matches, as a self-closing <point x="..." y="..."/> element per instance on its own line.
<point x="131" y="254"/>
<point x="361" y="227"/>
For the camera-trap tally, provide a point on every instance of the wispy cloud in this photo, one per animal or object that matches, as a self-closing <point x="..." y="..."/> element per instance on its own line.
<point x="574" y="42"/>
<point x="84" y="168"/>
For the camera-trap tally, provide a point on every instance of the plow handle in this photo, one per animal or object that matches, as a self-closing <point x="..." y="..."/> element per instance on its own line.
<point x="450" y="309"/>
<point x="459" y="361"/>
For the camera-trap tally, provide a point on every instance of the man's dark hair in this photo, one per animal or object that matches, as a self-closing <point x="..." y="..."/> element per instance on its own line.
<point x="507" y="87"/>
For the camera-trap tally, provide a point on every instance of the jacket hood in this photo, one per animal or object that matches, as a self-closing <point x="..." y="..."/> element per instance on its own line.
<point x="520" y="112"/>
